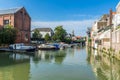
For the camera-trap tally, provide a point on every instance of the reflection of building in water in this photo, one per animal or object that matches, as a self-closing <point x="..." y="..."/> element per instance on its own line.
<point x="15" y="67"/>
<point x="105" y="67"/>
<point x="71" y="52"/>
<point x="51" y="56"/>
<point x="44" y="55"/>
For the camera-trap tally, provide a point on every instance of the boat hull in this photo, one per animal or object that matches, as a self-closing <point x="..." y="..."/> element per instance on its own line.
<point x="48" y="48"/>
<point x="31" y="50"/>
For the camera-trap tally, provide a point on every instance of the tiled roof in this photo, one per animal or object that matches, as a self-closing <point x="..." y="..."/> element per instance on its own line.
<point x="43" y="29"/>
<point x="113" y="13"/>
<point x="10" y="11"/>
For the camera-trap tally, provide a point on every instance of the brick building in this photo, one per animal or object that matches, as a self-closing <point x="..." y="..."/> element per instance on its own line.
<point x="20" y="19"/>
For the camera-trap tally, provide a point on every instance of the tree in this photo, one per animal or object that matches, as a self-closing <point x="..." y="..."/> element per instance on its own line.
<point x="8" y="35"/>
<point x="54" y="37"/>
<point x="89" y="31"/>
<point x="68" y="40"/>
<point x="0" y="36"/>
<point x="60" y="33"/>
<point x="47" y="37"/>
<point x="73" y="34"/>
<point x="37" y="35"/>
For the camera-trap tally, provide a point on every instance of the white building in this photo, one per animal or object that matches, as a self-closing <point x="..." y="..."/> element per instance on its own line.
<point x="116" y="17"/>
<point x="94" y="29"/>
<point x="43" y="31"/>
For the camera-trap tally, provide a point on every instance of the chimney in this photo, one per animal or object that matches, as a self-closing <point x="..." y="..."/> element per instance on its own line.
<point x="110" y="17"/>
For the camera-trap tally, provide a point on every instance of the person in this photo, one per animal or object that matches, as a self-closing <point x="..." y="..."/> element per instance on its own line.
<point x="15" y="46"/>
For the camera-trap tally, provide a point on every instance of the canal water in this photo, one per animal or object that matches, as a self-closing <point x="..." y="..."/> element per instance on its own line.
<point x="69" y="64"/>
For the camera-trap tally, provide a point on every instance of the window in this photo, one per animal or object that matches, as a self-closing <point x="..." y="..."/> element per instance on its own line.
<point x="6" y="22"/>
<point x="26" y="37"/>
<point x="106" y="19"/>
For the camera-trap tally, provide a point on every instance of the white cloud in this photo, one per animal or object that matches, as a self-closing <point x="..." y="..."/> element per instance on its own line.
<point x="86" y="16"/>
<point x="79" y="27"/>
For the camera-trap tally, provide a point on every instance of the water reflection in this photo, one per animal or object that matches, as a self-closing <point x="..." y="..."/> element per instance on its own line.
<point x="21" y="67"/>
<point x="14" y="66"/>
<point x="50" y="56"/>
<point x="7" y="59"/>
<point x="68" y="64"/>
<point x="104" y="66"/>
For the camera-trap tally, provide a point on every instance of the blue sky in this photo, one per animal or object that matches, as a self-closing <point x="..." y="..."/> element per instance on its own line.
<point x="74" y="15"/>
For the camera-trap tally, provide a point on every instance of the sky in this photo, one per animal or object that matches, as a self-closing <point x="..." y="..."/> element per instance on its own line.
<point x="74" y="15"/>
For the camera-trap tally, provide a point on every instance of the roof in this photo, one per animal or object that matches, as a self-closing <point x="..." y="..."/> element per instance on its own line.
<point x="104" y="17"/>
<point x="10" y="11"/>
<point x="78" y="37"/>
<point x="43" y="29"/>
<point x="113" y="13"/>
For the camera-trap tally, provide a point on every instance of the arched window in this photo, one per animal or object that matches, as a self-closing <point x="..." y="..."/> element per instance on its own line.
<point x="26" y="37"/>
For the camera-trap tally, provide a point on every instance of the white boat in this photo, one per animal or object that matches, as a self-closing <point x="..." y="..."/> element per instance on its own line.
<point x="47" y="47"/>
<point x="22" y="47"/>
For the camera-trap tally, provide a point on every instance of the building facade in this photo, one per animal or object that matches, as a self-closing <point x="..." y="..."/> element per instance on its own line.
<point x="116" y="17"/>
<point x="19" y="19"/>
<point x="43" y="31"/>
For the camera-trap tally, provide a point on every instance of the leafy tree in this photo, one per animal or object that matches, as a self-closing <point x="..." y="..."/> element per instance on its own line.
<point x="68" y="40"/>
<point x="8" y="26"/>
<point x="8" y="35"/>
<point x="60" y="33"/>
<point x="89" y="31"/>
<point x="54" y="37"/>
<point x="47" y="37"/>
<point x="0" y="36"/>
<point x="37" y="35"/>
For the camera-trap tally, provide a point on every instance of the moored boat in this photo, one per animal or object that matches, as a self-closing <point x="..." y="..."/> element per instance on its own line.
<point x="22" y="47"/>
<point x="48" y="47"/>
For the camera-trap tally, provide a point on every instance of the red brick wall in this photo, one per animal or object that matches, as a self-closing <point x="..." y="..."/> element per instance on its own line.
<point x="9" y="17"/>
<point x="110" y="17"/>
<point x="22" y="23"/>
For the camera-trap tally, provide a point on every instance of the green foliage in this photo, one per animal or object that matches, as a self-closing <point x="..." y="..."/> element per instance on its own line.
<point x="60" y="33"/>
<point x="47" y="37"/>
<point x="8" y="26"/>
<point x="89" y="40"/>
<point x="68" y="40"/>
<point x="54" y="37"/>
<point x="104" y="48"/>
<point x="36" y="34"/>
<point x="8" y="35"/>
<point x="118" y="27"/>
<point x="89" y="31"/>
